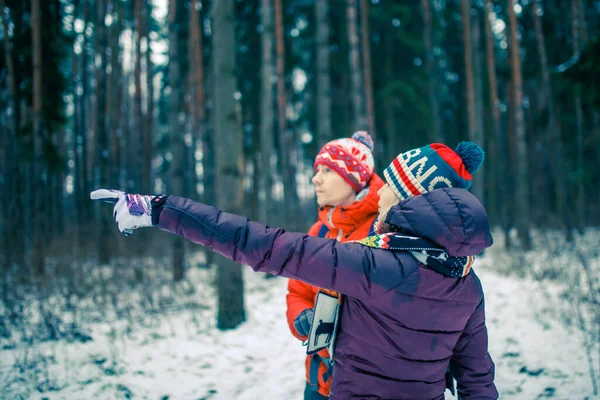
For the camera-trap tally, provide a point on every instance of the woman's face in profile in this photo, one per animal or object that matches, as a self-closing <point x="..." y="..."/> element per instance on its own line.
<point x="331" y="188"/>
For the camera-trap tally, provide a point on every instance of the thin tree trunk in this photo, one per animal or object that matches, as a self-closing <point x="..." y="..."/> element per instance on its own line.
<point x="39" y="217"/>
<point x="392" y="146"/>
<point x="368" y="71"/>
<point x="553" y="140"/>
<point x="102" y="177"/>
<point x="267" y="115"/>
<point x="83" y="177"/>
<point x="142" y="182"/>
<point x="356" y="92"/>
<point x="479" y="179"/>
<point x="432" y="72"/>
<point x="522" y="188"/>
<point x="470" y="33"/>
<point x="176" y="180"/>
<point x="228" y="157"/>
<point x="117" y="94"/>
<point x="324" y="132"/>
<point x="468" y="59"/>
<point x="579" y="135"/>
<point x="149" y="120"/>
<point x="497" y="146"/>
<point x="197" y="107"/>
<point x="13" y="243"/>
<point x="285" y="142"/>
<point x="10" y="66"/>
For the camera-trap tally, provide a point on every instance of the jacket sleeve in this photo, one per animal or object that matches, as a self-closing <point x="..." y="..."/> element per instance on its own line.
<point x="300" y="295"/>
<point x="349" y="268"/>
<point x="471" y="363"/>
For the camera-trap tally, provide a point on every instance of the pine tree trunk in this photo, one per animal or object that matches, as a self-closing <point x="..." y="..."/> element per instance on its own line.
<point x="497" y="146"/>
<point x="102" y="169"/>
<point x="468" y="60"/>
<point x="521" y="156"/>
<point x="177" y="144"/>
<point x="553" y="141"/>
<point x="267" y="116"/>
<point x="40" y="185"/>
<point x="392" y="145"/>
<point x="142" y="182"/>
<point x="117" y="94"/>
<point x="286" y="144"/>
<point x="82" y="178"/>
<point x="368" y="71"/>
<point x="579" y="135"/>
<point x="197" y="106"/>
<point x="14" y="248"/>
<point x="324" y="129"/>
<point x="228" y="157"/>
<point x="479" y="179"/>
<point x="431" y="71"/>
<point x="356" y="90"/>
<point x="149" y="121"/>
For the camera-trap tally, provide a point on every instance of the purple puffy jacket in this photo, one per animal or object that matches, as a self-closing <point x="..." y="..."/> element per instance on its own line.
<point x="401" y="322"/>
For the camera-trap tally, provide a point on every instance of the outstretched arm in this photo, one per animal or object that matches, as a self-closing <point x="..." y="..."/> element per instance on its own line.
<point x="350" y="268"/>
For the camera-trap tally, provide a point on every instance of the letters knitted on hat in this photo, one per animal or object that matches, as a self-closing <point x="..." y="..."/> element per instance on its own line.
<point x="351" y="158"/>
<point x="432" y="167"/>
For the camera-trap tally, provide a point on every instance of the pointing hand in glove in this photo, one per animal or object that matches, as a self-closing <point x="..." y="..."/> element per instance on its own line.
<point x="131" y="211"/>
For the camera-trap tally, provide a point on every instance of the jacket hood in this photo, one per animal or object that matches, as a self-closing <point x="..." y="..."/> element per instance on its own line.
<point x="451" y="218"/>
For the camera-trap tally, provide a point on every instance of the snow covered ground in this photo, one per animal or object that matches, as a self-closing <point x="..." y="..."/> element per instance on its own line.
<point x="180" y="354"/>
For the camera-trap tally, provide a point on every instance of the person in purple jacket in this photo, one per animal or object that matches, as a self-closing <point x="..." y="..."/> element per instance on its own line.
<point x="412" y="304"/>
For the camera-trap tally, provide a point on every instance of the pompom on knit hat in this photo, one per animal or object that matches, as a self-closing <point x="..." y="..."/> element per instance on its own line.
<point x="351" y="158"/>
<point x="432" y="167"/>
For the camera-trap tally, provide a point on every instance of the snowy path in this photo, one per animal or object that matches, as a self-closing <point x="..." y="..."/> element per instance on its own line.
<point x="183" y="356"/>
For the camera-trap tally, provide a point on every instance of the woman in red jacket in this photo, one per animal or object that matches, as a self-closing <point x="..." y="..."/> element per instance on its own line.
<point x="346" y="189"/>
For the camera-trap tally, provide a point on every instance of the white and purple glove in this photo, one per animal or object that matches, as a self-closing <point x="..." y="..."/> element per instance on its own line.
<point x="131" y="211"/>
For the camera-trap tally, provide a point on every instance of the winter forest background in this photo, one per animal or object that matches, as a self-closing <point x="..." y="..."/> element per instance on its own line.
<point x="228" y="102"/>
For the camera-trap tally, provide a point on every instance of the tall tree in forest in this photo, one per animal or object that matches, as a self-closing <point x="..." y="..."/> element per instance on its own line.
<point x="521" y="159"/>
<point x="323" y="72"/>
<point x="177" y="144"/>
<point x="266" y="116"/>
<point x="142" y="170"/>
<point x="13" y="238"/>
<point x="553" y="140"/>
<point x="39" y="185"/>
<point x="116" y="92"/>
<point x="497" y="143"/>
<point x="368" y="72"/>
<point x="83" y="182"/>
<point x="228" y="156"/>
<point x="101" y="165"/>
<point x="356" y="89"/>
<point x="479" y="179"/>
<point x="291" y="202"/>
<point x="432" y="72"/>
<point x="474" y="134"/>
<point x="196" y="76"/>
<point x="149" y="121"/>
<point x="579" y="117"/>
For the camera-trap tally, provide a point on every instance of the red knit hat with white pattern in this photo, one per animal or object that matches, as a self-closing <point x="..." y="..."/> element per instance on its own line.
<point x="351" y="158"/>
